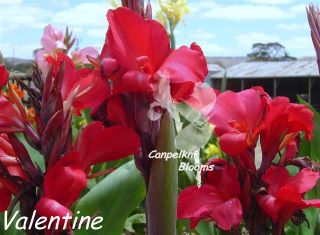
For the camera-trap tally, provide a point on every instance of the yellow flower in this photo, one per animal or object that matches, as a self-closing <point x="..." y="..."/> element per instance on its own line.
<point x="212" y="150"/>
<point x="174" y="10"/>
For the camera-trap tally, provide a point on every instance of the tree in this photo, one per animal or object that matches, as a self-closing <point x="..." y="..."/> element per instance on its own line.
<point x="273" y="51"/>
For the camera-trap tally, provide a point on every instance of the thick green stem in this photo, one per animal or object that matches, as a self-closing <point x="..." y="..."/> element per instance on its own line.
<point x="163" y="184"/>
<point x="172" y="38"/>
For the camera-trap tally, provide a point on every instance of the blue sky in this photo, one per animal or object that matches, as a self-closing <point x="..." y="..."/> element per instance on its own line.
<point x="221" y="27"/>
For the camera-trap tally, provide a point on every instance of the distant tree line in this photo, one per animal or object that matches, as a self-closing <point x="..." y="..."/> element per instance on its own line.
<point x="273" y="51"/>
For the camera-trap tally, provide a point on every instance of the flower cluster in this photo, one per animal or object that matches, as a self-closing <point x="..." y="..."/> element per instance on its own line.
<point x="60" y="92"/>
<point x="246" y="186"/>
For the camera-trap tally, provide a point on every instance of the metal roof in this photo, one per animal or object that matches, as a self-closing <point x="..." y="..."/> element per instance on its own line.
<point x="284" y="69"/>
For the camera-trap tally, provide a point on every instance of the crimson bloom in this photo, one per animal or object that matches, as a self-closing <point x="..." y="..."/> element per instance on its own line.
<point x="11" y="120"/>
<point x="62" y="186"/>
<point x="285" y="194"/>
<point x="96" y="143"/>
<point x="216" y="199"/>
<point x="142" y="52"/>
<point x="84" y="88"/>
<point x="66" y="179"/>
<point x="282" y="123"/>
<point x="11" y="168"/>
<point x="236" y="118"/>
<point x="4" y="74"/>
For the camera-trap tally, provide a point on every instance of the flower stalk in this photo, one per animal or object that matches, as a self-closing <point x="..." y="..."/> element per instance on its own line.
<point x="163" y="184"/>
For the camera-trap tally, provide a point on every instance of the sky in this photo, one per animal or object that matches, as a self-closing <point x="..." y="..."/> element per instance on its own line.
<point x="220" y="27"/>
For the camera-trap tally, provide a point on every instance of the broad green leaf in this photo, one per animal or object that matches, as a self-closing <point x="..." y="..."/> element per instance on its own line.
<point x="113" y="198"/>
<point x="193" y="136"/>
<point x="12" y="229"/>
<point x="312" y="148"/>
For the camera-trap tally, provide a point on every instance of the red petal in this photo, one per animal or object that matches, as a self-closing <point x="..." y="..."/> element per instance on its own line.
<point x="185" y="65"/>
<point x="98" y="144"/>
<point x="228" y="214"/>
<point x="131" y="36"/>
<point x="116" y="112"/>
<point x="5" y="198"/>
<point x="233" y="143"/>
<point x="4" y="74"/>
<point x="304" y="181"/>
<point x="50" y="208"/>
<point x="205" y="202"/>
<point x="135" y="81"/>
<point x="65" y="180"/>
<point x="275" y="177"/>
<point x="270" y="205"/>
<point x="202" y="99"/>
<point x="92" y="91"/>
<point x="10" y="119"/>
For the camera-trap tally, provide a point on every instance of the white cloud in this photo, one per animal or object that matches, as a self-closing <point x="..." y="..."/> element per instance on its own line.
<point x="271" y="2"/>
<point x="241" y="12"/>
<point x="23" y="15"/>
<point x="85" y="14"/>
<point x="293" y="27"/>
<point x="245" y="41"/>
<point x="202" y="35"/>
<point x="210" y="49"/>
<point x="257" y="10"/>
<point x="299" y="43"/>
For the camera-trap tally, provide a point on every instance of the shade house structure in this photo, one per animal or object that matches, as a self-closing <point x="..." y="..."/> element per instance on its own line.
<point x="279" y="78"/>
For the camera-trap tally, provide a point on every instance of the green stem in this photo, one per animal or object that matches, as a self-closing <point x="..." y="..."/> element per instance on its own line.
<point x="172" y="38"/>
<point x="163" y="184"/>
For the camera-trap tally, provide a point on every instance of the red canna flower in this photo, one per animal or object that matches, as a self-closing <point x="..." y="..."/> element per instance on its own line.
<point x="10" y="173"/>
<point x="142" y="52"/>
<point x="282" y="123"/>
<point x="62" y="186"/>
<point x="84" y="88"/>
<point x="66" y="179"/>
<point x="4" y="74"/>
<point x="96" y="143"/>
<point x="216" y="199"/>
<point x="285" y="194"/>
<point x="11" y="120"/>
<point x="236" y="118"/>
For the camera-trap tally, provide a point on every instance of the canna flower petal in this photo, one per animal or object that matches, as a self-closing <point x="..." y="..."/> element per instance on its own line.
<point x="52" y="39"/>
<point x="5" y="198"/>
<point x="285" y="193"/>
<point x="10" y="119"/>
<point x="7" y="189"/>
<point x="80" y="56"/>
<point x="50" y="208"/>
<point x="4" y="74"/>
<point x="144" y="38"/>
<point x="282" y="123"/>
<point x="184" y="65"/>
<point x="85" y="87"/>
<point x="96" y="143"/>
<point x="236" y="118"/>
<point x="65" y="180"/>
<point x="217" y="199"/>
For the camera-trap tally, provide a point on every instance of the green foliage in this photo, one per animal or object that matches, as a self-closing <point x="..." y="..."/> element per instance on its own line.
<point x="113" y="198"/>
